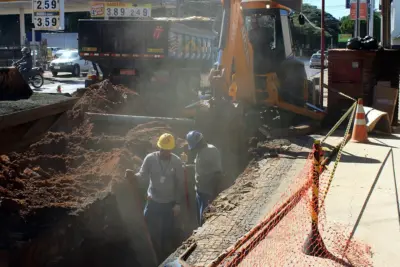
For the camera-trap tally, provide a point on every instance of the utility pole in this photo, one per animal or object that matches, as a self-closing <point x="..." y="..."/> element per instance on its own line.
<point x="357" y="22"/>
<point x="371" y="18"/>
<point x="321" y="78"/>
<point x="386" y="19"/>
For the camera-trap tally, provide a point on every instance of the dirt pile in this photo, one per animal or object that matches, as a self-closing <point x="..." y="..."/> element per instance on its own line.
<point x="59" y="192"/>
<point x="104" y="97"/>
<point x="67" y="170"/>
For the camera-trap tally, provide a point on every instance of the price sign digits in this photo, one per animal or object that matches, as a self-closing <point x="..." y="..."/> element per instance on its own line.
<point x="127" y="12"/>
<point x="46" y="22"/>
<point x="46" y="5"/>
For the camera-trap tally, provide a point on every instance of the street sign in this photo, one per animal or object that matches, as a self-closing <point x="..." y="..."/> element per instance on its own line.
<point x="48" y="14"/>
<point x="343" y="38"/>
<point x="363" y="9"/>
<point x="119" y="10"/>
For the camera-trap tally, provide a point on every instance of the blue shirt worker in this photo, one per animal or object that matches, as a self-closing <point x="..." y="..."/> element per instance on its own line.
<point x="163" y="171"/>
<point x="208" y="171"/>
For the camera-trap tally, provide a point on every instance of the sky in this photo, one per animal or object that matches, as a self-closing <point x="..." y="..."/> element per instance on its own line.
<point x="335" y="7"/>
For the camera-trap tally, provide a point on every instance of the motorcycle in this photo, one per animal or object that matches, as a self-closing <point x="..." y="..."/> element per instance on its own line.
<point x="35" y="77"/>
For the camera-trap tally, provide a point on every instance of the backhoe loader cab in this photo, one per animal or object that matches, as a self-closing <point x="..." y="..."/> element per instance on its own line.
<point x="256" y="45"/>
<point x="269" y="35"/>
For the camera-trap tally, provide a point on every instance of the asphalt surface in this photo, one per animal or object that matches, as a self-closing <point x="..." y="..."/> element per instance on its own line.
<point x="68" y="83"/>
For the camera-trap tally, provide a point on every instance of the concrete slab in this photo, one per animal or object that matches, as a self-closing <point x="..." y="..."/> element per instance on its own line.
<point x="354" y="179"/>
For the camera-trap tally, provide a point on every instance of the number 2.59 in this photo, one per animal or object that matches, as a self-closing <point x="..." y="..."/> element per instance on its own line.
<point x="46" y="4"/>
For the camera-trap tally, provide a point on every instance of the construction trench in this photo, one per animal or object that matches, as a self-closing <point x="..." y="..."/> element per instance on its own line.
<point x="64" y="199"/>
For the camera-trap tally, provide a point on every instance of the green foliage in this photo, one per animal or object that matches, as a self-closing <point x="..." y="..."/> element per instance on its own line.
<point x="307" y="36"/>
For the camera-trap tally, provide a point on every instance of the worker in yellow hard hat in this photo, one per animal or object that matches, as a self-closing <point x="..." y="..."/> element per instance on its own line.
<point x="163" y="171"/>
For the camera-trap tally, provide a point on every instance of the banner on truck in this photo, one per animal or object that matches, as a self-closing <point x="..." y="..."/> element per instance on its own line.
<point x="119" y="10"/>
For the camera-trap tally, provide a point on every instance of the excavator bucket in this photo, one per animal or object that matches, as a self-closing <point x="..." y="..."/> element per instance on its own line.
<point x="13" y="86"/>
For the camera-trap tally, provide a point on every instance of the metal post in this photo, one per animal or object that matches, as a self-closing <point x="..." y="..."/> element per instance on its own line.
<point x="34" y="46"/>
<point x="22" y="26"/>
<point x="357" y="22"/>
<point x="371" y="17"/>
<point x="314" y="245"/>
<point x="321" y="80"/>
<point x="386" y="5"/>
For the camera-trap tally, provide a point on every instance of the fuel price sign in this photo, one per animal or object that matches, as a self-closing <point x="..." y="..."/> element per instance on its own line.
<point x="48" y="14"/>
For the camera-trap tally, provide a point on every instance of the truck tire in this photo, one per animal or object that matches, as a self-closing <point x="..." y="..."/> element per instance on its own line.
<point x="76" y="71"/>
<point x="54" y="73"/>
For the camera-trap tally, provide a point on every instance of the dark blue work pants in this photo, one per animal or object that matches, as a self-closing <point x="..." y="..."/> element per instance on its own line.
<point x="160" y="222"/>
<point x="202" y="201"/>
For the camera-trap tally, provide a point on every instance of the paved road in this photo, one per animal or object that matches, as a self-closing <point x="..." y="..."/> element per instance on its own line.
<point x="310" y="72"/>
<point x="68" y="83"/>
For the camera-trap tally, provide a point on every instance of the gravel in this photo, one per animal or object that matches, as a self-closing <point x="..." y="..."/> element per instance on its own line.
<point x="36" y="100"/>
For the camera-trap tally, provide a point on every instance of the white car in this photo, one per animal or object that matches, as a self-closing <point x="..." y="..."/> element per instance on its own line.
<point x="69" y="61"/>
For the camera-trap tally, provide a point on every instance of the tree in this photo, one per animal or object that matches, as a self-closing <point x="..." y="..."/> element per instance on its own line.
<point x="347" y="26"/>
<point x="307" y="36"/>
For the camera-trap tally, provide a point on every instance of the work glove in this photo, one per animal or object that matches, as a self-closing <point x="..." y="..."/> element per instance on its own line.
<point x="130" y="175"/>
<point x="176" y="209"/>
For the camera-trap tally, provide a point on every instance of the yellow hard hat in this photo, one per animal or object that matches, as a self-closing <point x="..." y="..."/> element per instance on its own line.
<point x="166" y="142"/>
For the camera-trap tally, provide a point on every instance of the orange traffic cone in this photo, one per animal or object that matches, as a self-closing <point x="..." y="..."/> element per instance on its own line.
<point x="360" y="134"/>
<point x="59" y="89"/>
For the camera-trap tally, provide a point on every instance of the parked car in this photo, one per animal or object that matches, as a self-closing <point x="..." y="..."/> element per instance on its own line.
<point x="93" y="76"/>
<point x="325" y="52"/>
<point x="69" y="61"/>
<point x="315" y="61"/>
<point x="58" y="53"/>
<point x="53" y="51"/>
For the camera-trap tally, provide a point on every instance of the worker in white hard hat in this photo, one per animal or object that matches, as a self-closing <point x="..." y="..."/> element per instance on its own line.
<point x="163" y="170"/>
<point x="208" y="171"/>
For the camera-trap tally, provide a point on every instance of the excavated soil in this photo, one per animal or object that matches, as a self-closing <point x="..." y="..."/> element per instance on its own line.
<point x="67" y="172"/>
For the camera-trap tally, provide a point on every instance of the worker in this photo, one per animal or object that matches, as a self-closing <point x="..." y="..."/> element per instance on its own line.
<point x="25" y="64"/>
<point x="163" y="170"/>
<point x="208" y="171"/>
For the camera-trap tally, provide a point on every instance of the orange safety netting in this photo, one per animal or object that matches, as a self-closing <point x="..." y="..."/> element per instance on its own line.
<point x="286" y="237"/>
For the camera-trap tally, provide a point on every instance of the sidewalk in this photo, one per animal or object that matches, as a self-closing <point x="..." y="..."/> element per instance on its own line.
<point x="379" y="226"/>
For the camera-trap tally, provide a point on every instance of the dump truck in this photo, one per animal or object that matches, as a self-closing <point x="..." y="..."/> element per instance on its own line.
<point x="159" y="55"/>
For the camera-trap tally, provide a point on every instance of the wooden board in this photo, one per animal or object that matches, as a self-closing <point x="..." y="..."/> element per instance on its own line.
<point x="385" y="98"/>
